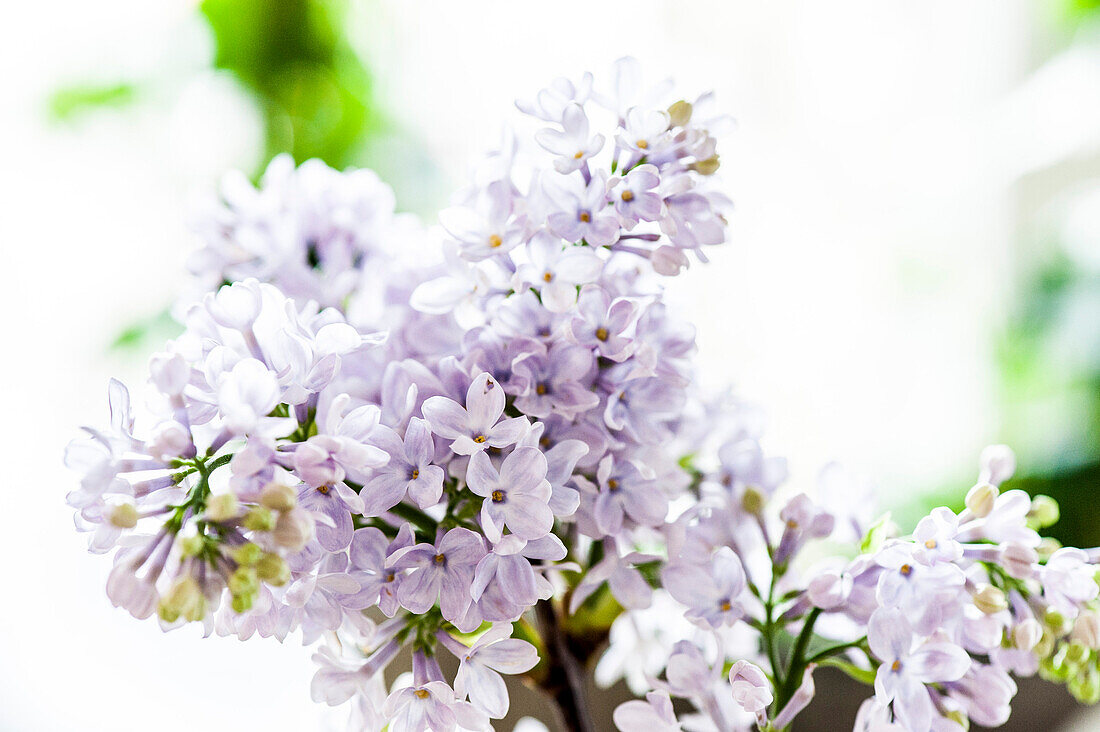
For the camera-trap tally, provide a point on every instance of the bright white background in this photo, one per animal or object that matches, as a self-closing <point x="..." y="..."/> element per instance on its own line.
<point x="876" y="173"/>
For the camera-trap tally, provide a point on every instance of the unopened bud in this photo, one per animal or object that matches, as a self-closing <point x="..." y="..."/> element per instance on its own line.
<point x="243" y="581"/>
<point x="1056" y="621"/>
<point x="124" y="516"/>
<point x="192" y="546"/>
<point x="990" y="599"/>
<point x="980" y="499"/>
<point x="222" y="507"/>
<point x="1086" y="630"/>
<point x="1086" y="687"/>
<point x="259" y="519"/>
<point x="997" y="464"/>
<point x="1076" y="653"/>
<point x="679" y="113"/>
<point x="707" y="167"/>
<point x="273" y="570"/>
<point x="247" y="554"/>
<point x="279" y="497"/>
<point x="184" y="599"/>
<point x="1044" y="512"/>
<point x="752" y="500"/>
<point x="959" y="717"/>
<point x="1047" y="546"/>
<point x="1027" y="634"/>
<point x="294" y="529"/>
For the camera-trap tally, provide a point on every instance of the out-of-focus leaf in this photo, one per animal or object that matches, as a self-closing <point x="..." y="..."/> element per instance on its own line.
<point x="70" y="102"/>
<point x="143" y="334"/>
<point x="293" y="55"/>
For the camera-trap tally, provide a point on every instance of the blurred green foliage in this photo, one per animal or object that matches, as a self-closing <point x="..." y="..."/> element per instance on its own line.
<point x="1050" y="376"/>
<point x="70" y="102"/>
<point x="295" y="58"/>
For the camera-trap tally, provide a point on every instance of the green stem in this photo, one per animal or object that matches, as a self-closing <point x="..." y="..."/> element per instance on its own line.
<point x="416" y="517"/>
<point x="798" y="664"/>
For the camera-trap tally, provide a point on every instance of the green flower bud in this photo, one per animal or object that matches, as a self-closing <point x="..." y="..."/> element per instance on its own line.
<point x="259" y="519"/>
<point x="959" y="718"/>
<point x="279" y="497"/>
<point x="244" y="581"/>
<point x="1056" y="621"/>
<point x="1044" y="512"/>
<point x="752" y="501"/>
<point x="124" y="516"/>
<point x="990" y="599"/>
<point x="241" y="603"/>
<point x="1047" y="546"/>
<point x="273" y="570"/>
<point x="247" y="554"/>
<point x="706" y="167"/>
<point x="1089" y="686"/>
<point x="1076" y="653"/>
<point x="980" y="498"/>
<point x="222" y="507"/>
<point x="184" y="599"/>
<point x="679" y="113"/>
<point x="192" y="546"/>
<point x="1086" y="630"/>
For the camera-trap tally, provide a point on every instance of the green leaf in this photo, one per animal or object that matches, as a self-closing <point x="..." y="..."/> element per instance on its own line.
<point x="70" y="102"/>
<point x="877" y="534"/>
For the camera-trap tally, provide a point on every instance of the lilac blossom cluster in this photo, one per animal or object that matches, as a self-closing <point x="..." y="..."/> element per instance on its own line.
<point x="501" y="461"/>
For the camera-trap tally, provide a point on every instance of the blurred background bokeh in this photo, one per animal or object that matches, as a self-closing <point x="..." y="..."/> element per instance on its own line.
<point x="914" y="270"/>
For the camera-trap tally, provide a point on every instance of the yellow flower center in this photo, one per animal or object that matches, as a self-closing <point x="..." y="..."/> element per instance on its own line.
<point x="628" y="196"/>
<point x="495" y="241"/>
<point x="601" y="333"/>
<point x="498" y="496"/>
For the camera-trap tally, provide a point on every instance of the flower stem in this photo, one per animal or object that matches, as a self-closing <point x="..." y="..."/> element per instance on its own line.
<point x="567" y="677"/>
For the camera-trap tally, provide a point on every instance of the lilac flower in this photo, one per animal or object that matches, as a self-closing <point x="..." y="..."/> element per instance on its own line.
<point x="644" y="131"/>
<point x="584" y="214"/>
<point x="751" y="689"/>
<point x="430" y="707"/>
<point x="561" y="460"/>
<point x="622" y="576"/>
<point x="409" y="470"/>
<point x="516" y="497"/>
<point x="477" y="426"/>
<point x="572" y="144"/>
<point x="442" y="572"/>
<point x="634" y="195"/>
<point x="695" y="220"/>
<point x="246" y="395"/>
<point x="489" y="228"/>
<point x="556" y="381"/>
<point x="506" y="584"/>
<point x="1069" y="581"/>
<point x="935" y="537"/>
<point x="550" y="103"/>
<point x="333" y="503"/>
<point x="557" y="271"/>
<point x="600" y="323"/>
<point x="481" y="665"/>
<point x="927" y="594"/>
<point x="314" y="601"/>
<point x="907" y="664"/>
<point x="655" y="713"/>
<point x="369" y="555"/>
<point x="710" y="590"/>
<point x="624" y="492"/>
